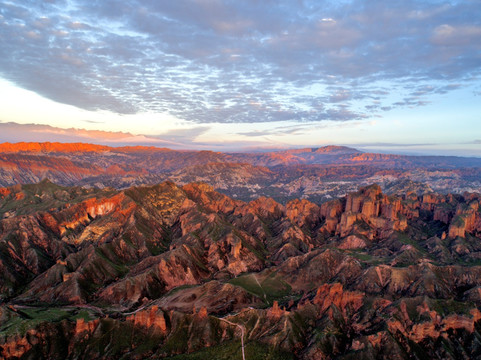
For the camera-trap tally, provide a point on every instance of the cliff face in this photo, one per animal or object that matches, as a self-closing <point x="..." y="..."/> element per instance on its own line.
<point x="373" y="214"/>
<point x="162" y="270"/>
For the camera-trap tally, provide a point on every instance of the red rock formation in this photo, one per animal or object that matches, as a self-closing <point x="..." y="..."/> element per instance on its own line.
<point x="136" y="246"/>
<point x="4" y="192"/>
<point x="328" y="295"/>
<point x="436" y="328"/>
<point x="331" y="209"/>
<point x="352" y="242"/>
<point x="15" y="348"/>
<point x="85" y="326"/>
<point x="466" y="219"/>
<point x="267" y="208"/>
<point x="443" y="215"/>
<point x="303" y="213"/>
<point x="202" y="314"/>
<point x="206" y="196"/>
<point x="275" y="312"/>
<point x="382" y="213"/>
<point x="149" y="318"/>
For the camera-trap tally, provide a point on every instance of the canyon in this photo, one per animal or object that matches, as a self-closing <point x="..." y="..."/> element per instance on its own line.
<point x="183" y="271"/>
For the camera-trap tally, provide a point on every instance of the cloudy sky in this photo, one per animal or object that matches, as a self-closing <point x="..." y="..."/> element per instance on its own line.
<point x="378" y="75"/>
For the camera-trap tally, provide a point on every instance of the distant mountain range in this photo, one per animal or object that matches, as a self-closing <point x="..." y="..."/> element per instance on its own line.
<point x="318" y="174"/>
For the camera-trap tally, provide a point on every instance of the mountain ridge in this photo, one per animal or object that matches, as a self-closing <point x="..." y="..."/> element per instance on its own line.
<point x="353" y="276"/>
<point x="317" y="174"/>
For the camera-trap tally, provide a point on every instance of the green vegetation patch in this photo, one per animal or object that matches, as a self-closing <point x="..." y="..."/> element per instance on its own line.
<point x="21" y="320"/>
<point x="268" y="288"/>
<point x="458" y="221"/>
<point x="232" y="350"/>
<point x="259" y="252"/>
<point x="451" y="306"/>
<point x="46" y="195"/>
<point x="103" y="252"/>
<point x="406" y="239"/>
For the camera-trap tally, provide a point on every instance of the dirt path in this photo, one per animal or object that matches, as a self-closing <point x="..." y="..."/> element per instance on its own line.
<point x="242" y="334"/>
<point x="258" y="283"/>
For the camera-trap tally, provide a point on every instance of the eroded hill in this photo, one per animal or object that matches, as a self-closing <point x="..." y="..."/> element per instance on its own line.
<point x="153" y="272"/>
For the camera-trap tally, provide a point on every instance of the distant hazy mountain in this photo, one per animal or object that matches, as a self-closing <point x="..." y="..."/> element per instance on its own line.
<point x="318" y="174"/>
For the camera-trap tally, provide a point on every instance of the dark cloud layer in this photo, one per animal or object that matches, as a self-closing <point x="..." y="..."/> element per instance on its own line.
<point x="241" y="61"/>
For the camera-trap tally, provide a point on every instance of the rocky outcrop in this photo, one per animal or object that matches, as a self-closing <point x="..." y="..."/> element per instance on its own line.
<point x="163" y="270"/>
<point x="304" y="214"/>
<point x="152" y="318"/>
<point x="381" y="213"/>
<point x="467" y="219"/>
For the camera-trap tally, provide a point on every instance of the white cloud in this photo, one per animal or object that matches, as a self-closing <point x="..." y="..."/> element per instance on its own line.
<point x="242" y="61"/>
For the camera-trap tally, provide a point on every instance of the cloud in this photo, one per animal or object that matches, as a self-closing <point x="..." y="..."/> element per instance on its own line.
<point x="448" y="35"/>
<point x="182" y="135"/>
<point x="280" y="130"/>
<point x="93" y="121"/>
<point x="241" y="61"/>
<point x="175" y="139"/>
<point x="397" y="145"/>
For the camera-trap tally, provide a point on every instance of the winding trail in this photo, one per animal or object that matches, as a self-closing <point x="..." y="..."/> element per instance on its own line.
<point x="258" y="283"/>
<point x="242" y="332"/>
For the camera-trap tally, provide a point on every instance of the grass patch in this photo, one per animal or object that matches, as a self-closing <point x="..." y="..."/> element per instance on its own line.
<point x="46" y="195"/>
<point x="406" y="239"/>
<point x="23" y="320"/>
<point x="451" y="306"/>
<point x="232" y="350"/>
<point x="458" y="221"/>
<point x="271" y="287"/>
<point x="120" y="269"/>
<point x="365" y="258"/>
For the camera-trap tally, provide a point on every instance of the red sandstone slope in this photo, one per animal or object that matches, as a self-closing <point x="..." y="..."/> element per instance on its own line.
<point x="168" y="269"/>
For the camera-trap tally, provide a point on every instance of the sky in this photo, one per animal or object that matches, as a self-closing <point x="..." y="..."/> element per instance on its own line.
<point x="385" y="76"/>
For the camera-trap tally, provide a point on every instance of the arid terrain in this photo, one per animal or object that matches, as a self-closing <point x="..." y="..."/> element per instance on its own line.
<point x="183" y="272"/>
<point x="240" y="180"/>
<point x="316" y="174"/>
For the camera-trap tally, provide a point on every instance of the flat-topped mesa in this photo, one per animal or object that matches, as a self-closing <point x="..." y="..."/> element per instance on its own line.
<point x="335" y="149"/>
